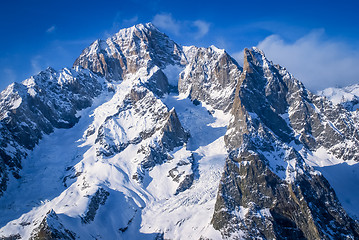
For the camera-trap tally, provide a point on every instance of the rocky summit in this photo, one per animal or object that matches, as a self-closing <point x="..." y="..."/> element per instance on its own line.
<point x="146" y="139"/>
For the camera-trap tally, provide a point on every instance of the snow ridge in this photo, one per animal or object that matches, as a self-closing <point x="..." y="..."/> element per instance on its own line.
<point x="146" y="139"/>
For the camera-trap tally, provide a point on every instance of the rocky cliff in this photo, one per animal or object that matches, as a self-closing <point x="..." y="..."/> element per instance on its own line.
<point x="35" y="107"/>
<point x="267" y="190"/>
<point x="146" y="139"/>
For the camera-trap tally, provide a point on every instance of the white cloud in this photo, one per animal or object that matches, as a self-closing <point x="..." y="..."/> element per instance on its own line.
<point x="317" y="62"/>
<point x="51" y="29"/>
<point x="203" y="28"/>
<point x="167" y="23"/>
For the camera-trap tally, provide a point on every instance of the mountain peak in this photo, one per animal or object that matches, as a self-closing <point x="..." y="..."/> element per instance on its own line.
<point x="148" y="25"/>
<point x="217" y="50"/>
<point x="254" y="57"/>
<point x="228" y="155"/>
<point x="140" y="46"/>
<point x="135" y="30"/>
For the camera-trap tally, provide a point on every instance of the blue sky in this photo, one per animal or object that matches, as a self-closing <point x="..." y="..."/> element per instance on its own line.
<point x="318" y="41"/>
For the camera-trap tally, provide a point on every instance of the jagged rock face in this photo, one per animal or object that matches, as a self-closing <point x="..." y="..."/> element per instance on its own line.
<point x="158" y="83"/>
<point x="129" y="50"/>
<point x="51" y="99"/>
<point x="114" y="135"/>
<point x="140" y="116"/>
<point x="289" y="110"/>
<point x="272" y="111"/>
<point x="260" y="100"/>
<point x="35" y="107"/>
<point x="173" y="134"/>
<point x="99" y="198"/>
<point x="254" y="203"/>
<point x="210" y="77"/>
<point x="134" y="172"/>
<point x="51" y="228"/>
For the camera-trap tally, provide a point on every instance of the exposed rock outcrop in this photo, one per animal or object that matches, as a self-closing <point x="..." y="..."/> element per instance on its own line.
<point x="141" y="46"/>
<point x="253" y="202"/>
<point x="51" y="228"/>
<point x="267" y="191"/>
<point x="99" y="198"/>
<point x="210" y="77"/>
<point x="35" y="107"/>
<point x="136" y="165"/>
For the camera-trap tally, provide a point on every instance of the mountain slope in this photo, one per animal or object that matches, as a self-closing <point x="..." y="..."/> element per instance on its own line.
<point x="347" y="96"/>
<point x="141" y="46"/>
<point x="35" y="107"/>
<point x="210" y="77"/>
<point x="145" y="139"/>
<point x="267" y="189"/>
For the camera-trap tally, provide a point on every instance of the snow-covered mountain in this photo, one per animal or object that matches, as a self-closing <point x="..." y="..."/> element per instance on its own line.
<point x="145" y="139"/>
<point x="347" y="96"/>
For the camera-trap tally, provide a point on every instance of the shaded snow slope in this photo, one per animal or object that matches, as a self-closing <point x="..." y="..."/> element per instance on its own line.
<point x="150" y="204"/>
<point x="157" y="141"/>
<point x="35" y="107"/>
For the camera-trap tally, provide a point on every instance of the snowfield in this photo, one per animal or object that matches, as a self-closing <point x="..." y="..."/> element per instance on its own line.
<point x="150" y="140"/>
<point x="66" y="160"/>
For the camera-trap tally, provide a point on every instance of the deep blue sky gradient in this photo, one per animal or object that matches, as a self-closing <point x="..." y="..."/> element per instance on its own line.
<point x="28" y="45"/>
